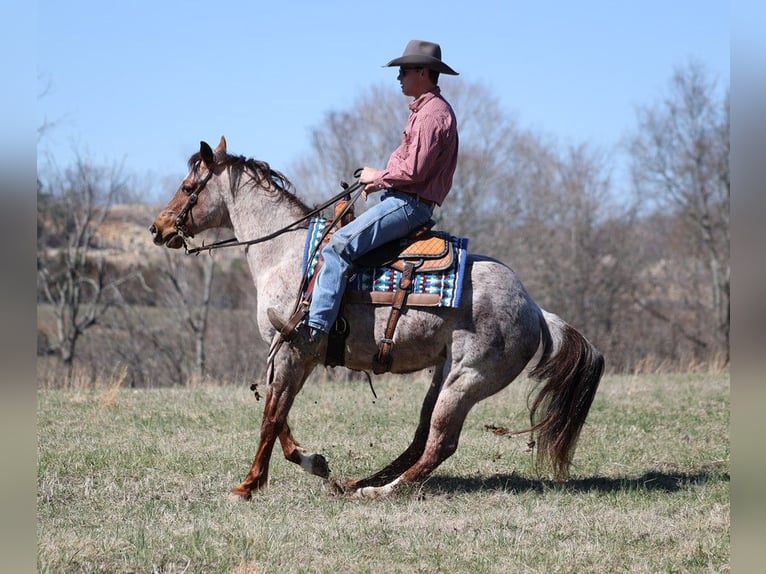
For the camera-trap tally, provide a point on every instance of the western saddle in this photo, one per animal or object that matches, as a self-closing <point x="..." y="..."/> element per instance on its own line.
<point x="422" y="251"/>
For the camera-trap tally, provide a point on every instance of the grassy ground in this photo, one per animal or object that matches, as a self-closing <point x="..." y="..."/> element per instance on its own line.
<point x="135" y="481"/>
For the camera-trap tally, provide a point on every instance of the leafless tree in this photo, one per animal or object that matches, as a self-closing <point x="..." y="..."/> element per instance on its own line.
<point x="345" y="140"/>
<point x="680" y="163"/>
<point x="188" y="292"/>
<point x="73" y="277"/>
<point x="569" y="238"/>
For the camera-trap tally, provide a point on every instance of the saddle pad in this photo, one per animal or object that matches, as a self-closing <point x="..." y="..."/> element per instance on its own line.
<point x="435" y="288"/>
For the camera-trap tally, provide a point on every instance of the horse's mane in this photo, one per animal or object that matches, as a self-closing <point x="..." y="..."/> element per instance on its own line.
<point x="262" y="173"/>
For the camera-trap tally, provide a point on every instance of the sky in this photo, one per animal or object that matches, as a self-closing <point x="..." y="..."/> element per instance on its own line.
<point x="140" y="83"/>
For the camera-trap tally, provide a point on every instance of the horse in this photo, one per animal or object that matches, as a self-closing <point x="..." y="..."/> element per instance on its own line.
<point x="475" y="350"/>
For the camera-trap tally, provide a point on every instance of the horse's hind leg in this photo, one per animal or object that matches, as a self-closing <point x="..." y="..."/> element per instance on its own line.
<point x="418" y="445"/>
<point x="457" y="397"/>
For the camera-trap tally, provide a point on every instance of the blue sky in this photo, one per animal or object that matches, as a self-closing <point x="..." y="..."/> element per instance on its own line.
<point x="142" y="82"/>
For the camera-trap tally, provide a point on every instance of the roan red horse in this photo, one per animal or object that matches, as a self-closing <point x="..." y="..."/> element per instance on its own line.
<point x="475" y="350"/>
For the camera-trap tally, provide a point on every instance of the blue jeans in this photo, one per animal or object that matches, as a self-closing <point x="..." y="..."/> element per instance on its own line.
<point x="394" y="217"/>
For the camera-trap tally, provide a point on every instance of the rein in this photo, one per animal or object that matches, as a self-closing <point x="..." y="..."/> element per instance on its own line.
<point x="347" y="190"/>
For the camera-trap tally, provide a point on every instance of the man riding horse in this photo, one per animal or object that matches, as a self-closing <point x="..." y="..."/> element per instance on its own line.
<point x="417" y="177"/>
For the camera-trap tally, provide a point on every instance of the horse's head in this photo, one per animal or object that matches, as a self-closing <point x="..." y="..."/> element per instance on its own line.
<point x="197" y="203"/>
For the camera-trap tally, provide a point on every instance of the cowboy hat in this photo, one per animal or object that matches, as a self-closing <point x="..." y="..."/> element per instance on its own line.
<point x="422" y="53"/>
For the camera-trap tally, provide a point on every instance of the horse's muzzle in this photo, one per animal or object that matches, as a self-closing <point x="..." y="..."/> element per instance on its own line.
<point x="172" y="240"/>
<point x="156" y="235"/>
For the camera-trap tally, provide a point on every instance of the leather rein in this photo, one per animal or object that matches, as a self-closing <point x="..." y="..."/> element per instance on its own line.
<point x="180" y="223"/>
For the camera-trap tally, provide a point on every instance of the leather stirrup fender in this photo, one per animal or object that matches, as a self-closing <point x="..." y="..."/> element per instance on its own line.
<point x="382" y="361"/>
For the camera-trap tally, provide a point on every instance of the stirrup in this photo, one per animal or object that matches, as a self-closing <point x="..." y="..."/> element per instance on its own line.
<point x="308" y="341"/>
<point x="297" y="333"/>
<point x="286" y="328"/>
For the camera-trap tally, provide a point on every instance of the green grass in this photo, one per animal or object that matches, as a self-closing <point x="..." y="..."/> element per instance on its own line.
<point x="136" y="481"/>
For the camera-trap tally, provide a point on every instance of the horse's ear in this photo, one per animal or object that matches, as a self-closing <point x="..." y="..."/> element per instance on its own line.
<point x="221" y="149"/>
<point x="206" y="153"/>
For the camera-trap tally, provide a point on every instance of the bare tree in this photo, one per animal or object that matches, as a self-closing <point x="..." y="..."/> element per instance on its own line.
<point x="197" y="326"/>
<point x="188" y="291"/>
<point x="483" y="196"/>
<point x="680" y="162"/>
<point x="72" y="276"/>
<point x="345" y="140"/>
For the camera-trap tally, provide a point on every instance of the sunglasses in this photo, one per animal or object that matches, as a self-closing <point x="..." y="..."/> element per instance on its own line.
<point x="403" y="71"/>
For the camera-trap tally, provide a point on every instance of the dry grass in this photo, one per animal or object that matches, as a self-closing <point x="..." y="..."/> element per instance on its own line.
<point x="135" y="481"/>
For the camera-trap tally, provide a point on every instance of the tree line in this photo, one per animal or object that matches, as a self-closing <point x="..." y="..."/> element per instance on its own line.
<point x="640" y="264"/>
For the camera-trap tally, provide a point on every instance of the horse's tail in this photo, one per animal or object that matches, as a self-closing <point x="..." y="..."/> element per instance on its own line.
<point x="570" y="369"/>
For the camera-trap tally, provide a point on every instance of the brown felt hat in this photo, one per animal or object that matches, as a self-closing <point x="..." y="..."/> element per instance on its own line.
<point x="425" y="54"/>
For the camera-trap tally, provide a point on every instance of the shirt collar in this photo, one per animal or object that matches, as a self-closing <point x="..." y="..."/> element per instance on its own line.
<point x="419" y="102"/>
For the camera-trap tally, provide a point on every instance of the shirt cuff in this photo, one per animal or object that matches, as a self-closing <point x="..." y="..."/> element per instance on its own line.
<point x="380" y="179"/>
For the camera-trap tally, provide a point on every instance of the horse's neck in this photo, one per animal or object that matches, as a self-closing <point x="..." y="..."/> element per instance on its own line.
<point x="257" y="213"/>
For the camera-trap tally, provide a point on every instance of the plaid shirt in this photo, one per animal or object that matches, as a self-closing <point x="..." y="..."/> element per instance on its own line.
<point x="425" y="161"/>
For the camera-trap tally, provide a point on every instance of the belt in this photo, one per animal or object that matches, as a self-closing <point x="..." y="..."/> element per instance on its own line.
<point x="419" y="199"/>
<point x="428" y="202"/>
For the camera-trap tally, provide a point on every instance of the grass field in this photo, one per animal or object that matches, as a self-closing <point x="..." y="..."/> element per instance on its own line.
<point x="136" y="481"/>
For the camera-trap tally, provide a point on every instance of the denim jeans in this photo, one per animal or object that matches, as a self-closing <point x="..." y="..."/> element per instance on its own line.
<point x="395" y="216"/>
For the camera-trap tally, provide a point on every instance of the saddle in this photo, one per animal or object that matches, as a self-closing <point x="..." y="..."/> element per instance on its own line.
<point x="422" y="251"/>
<point x="427" y="250"/>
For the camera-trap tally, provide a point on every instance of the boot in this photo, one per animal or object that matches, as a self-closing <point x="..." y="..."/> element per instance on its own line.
<point x="308" y="341"/>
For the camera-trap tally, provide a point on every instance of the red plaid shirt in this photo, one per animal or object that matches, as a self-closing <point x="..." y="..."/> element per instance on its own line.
<point x="425" y="161"/>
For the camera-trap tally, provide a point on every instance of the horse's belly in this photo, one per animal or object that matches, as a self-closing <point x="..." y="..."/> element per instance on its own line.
<point x="420" y="338"/>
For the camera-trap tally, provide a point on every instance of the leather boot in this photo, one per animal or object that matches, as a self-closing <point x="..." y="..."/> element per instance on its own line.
<point x="308" y="341"/>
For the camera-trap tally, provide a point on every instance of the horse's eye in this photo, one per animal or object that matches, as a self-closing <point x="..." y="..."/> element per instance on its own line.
<point x="187" y="189"/>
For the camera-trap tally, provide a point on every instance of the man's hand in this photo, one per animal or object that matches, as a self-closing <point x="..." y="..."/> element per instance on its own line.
<point x="366" y="178"/>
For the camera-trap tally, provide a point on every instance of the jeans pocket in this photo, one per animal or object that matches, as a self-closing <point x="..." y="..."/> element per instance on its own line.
<point x="421" y="213"/>
<point x="410" y="210"/>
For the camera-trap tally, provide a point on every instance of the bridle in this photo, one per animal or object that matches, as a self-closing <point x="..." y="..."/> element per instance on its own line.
<point x="180" y="223"/>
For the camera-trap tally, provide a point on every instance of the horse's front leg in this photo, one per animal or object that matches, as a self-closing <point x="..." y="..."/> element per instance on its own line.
<point x="280" y="395"/>
<point x="312" y="463"/>
<point x="271" y="426"/>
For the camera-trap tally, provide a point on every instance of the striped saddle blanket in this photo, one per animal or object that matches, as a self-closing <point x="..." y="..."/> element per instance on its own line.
<point x="376" y="285"/>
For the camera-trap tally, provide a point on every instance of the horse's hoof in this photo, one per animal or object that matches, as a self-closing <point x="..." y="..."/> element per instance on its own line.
<point x="320" y="467"/>
<point x="337" y="488"/>
<point x="238" y="494"/>
<point x="369" y="493"/>
<point x="376" y="492"/>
